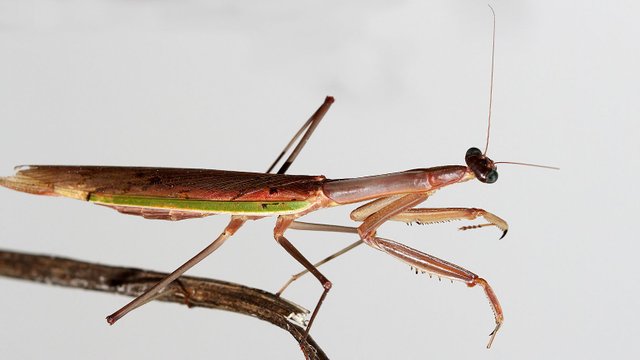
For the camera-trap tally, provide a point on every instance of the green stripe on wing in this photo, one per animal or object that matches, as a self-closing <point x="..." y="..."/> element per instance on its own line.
<point x="230" y="207"/>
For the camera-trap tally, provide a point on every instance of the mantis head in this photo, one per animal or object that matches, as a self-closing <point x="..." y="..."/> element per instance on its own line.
<point x="486" y="170"/>
<point x="483" y="167"/>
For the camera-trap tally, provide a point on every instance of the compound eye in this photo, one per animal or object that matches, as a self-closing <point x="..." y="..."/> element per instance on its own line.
<point x="492" y="176"/>
<point x="473" y="152"/>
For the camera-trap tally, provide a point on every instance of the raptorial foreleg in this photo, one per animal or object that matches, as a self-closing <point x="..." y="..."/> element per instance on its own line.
<point x="433" y="265"/>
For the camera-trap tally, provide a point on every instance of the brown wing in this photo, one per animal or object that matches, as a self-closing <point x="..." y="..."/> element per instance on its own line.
<point x="199" y="184"/>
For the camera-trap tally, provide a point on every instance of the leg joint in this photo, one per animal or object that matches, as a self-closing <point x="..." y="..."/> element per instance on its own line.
<point x="327" y="285"/>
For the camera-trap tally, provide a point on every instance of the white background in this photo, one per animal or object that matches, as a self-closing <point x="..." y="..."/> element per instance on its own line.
<point x="224" y="85"/>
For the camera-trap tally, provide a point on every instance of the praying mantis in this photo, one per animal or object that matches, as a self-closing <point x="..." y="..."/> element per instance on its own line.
<point x="178" y="194"/>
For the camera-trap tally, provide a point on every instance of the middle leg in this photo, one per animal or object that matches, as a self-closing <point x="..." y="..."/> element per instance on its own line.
<point x="282" y="224"/>
<point x="299" y="225"/>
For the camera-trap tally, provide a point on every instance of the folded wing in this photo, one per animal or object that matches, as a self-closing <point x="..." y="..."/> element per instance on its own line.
<point x="196" y="188"/>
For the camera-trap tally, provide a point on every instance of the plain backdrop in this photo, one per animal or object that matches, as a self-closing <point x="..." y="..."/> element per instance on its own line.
<point x="224" y="84"/>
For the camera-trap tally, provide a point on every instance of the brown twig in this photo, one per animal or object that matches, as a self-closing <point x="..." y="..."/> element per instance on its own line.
<point x="188" y="290"/>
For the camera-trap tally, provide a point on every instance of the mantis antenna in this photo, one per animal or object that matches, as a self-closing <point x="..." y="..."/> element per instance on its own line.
<point x="493" y="55"/>
<point x="493" y="52"/>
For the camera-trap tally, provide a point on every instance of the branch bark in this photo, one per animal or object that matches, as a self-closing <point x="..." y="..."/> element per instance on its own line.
<point x="187" y="290"/>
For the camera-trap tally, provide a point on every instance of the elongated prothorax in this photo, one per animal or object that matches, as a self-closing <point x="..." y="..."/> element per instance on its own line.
<point x="413" y="181"/>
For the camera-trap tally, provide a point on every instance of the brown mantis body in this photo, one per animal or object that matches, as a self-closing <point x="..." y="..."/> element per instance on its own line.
<point x="177" y="194"/>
